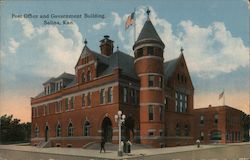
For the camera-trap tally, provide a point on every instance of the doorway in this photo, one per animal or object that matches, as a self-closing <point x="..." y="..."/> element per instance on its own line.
<point x="107" y="131"/>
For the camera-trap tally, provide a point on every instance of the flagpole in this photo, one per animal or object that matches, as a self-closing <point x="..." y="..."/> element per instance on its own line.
<point x="134" y="25"/>
<point x="224" y="97"/>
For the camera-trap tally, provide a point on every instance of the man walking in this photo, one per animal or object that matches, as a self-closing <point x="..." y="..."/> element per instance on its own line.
<point x="102" y="145"/>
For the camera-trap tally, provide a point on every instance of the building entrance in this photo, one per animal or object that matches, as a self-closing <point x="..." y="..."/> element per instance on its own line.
<point x="107" y="131"/>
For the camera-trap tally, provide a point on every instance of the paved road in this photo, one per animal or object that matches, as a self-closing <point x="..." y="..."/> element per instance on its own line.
<point x="227" y="152"/>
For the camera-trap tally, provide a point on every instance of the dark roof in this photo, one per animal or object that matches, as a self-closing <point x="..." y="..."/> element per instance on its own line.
<point x="64" y="75"/>
<point x="148" y="32"/>
<point x="123" y="61"/>
<point x="169" y="67"/>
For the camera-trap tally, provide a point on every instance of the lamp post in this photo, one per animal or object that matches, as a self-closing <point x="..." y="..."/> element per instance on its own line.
<point x="119" y="118"/>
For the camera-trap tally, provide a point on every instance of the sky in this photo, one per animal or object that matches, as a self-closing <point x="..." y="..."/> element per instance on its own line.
<point x="214" y="35"/>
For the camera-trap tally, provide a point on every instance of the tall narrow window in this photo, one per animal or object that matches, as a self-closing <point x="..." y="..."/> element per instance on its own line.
<point x="66" y="104"/>
<point x="150" y="113"/>
<point x="133" y="97"/>
<point x="178" y="130"/>
<point x="166" y="103"/>
<point x="186" y="130"/>
<point x="58" y="130"/>
<point x="151" y="80"/>
<point x="72" y="103"/>
<point x="110" y="94"/>
<point x="150" y="50"/>
<point x="125" y="95"/>
<point x="139" y="52"/>
<point x="57" y="107"/>
<point x="83" y="100"/>
<point x="83" y="77"/>
<point x="86" y="129"/>
<point x="36" y="131"/>
<point x="181" y="102"/>
<point x="88" y="99"/>
<point x="216" y="117"/>
<point x="102" y="96"/>
<point x="88" y="76"/>
<point x="201" y="119"/>
<point x="161" y="113"/>
<point x="201" y="136"/>
<point x="160" y="82"/>
<point x="70" y="130"/>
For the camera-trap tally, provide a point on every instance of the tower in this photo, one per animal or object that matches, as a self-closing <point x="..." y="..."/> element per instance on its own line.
<point x="148" y="51"/>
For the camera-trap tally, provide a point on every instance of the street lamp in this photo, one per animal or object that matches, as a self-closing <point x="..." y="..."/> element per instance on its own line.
<point x="119" y="118"/>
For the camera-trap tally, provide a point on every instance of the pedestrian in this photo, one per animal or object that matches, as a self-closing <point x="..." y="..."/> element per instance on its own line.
<point x="102" y="145"/>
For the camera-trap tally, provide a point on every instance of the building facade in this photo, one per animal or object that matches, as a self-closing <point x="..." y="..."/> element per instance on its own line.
<point x="218" y="124"/>
<point x="156" y="97"/>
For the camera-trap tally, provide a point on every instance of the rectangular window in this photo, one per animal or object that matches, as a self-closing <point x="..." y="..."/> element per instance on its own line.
<point x="83" y="77"/>
<point x="102" y="96"/>
<point x="201" y="136"/>
<point x="83" y="100"/>
<point x="181" y="102"/>
<point x="151" y="80"/>
<point x="139" y="52"/>
<point x="166" y="103"/>
<point x="46" y="109"/>
<point x="160" y="82"/>
<point x="150" y="133"/>
<point x="201" y="119"/>
<point x="150" y="113"/>
<point x="125" y="95"/>
<point x="88" y="99"/>
<point x="133" y="97"/>
<point x="66" y="104"/>
<point x="72" y="103"/>
<point x="110" y="94"/>
<point x="150" y="50"/>
<point x="216" y="119"/>
<point x="161" y="113"/>
<point x="56" y="107"/>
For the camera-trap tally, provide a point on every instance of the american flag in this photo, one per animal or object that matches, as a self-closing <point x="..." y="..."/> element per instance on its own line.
<point x="221" y="95"/>
<point x="130" y="20"/>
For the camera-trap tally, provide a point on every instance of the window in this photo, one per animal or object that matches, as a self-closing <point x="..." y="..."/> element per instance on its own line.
<point x="201" y="136"/>
<point x="181" y="102"/>
<point x="166" y="103"/>
<point x="139" y="52"/>
<point x="215" y="135"/>
<point x="83" y="100"/>
<point x="216" y="119"/>
<point x="88" y="76"/>
<point x="178" y="130"/>
<point x="125" y="95"/>
<point x="86" y="129"/>
<point x="36" y="131"/>
<point x="150" y="113"/>
<point x="133" y="96"/>
<point x="58" y="130"/>
<point x="150" y="50"/>
<point x="70" y="130"/>
<point x="88" y="99"/>
<point x="66" y="104"/>
<point x="46" y="109"/>
<point x="161" y="113"/>
<point x="161" y="133"/>
<point x="83" y="77"/>
<point x="110" y="94"/>
<point x="151" y="133"/>
<point x="186" y="130"/>
<point x="201" y="119"/>
<point x="151" y="80"/>
<point x="57" y="107"/>
<point x="102" y="96"/>
<point x="160" y="82"/>
<point x="72" y="103"/>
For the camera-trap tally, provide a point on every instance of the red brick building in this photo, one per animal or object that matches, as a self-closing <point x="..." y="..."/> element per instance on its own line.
<point x="156" y="97"/>
<point x="218" y="124"/>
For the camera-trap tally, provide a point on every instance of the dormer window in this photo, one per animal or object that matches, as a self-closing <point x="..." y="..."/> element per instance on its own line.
<point x="139" y="52"/>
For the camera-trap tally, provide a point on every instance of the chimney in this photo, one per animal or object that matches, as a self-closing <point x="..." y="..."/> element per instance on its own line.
<point x="106" y="46"/>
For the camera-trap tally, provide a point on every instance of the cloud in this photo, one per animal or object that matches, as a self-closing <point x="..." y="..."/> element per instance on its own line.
<point x="247" y="2"/>
<point x="13" y="45"/>
<point x="209" y="51"/>
<point x="28" y="28"/>
<point x="99" y="26"/>
<point x="2" y="55"/>
<point x="117" y="19"/>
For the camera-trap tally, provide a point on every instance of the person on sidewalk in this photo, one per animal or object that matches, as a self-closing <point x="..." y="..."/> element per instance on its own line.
<point x="198" y="142"/>
<point x="102" y="145"/>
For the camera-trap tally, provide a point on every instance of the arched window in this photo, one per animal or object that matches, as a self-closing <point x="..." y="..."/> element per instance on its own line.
<point x="86" y="128"/>
<point x="58" y="130"/>
<point x="36" y="131"/>
<point x="178" y="130"/>
<point x="186" y="130"/>
<point x="70" y="130"/>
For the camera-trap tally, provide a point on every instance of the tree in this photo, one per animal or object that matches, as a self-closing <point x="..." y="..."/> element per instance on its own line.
<point x="12" y="131"/>
<point x="246" y="126"/>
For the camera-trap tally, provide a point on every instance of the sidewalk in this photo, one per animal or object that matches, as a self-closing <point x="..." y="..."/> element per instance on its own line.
<point x="112" y="154"/>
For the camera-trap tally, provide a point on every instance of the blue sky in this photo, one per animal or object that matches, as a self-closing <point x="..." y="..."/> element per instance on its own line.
<point x="214" y="34"/>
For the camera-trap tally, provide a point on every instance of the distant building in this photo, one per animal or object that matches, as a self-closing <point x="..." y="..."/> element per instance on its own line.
<point x="218" y="124"/>
<point x="156" y="97"/>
